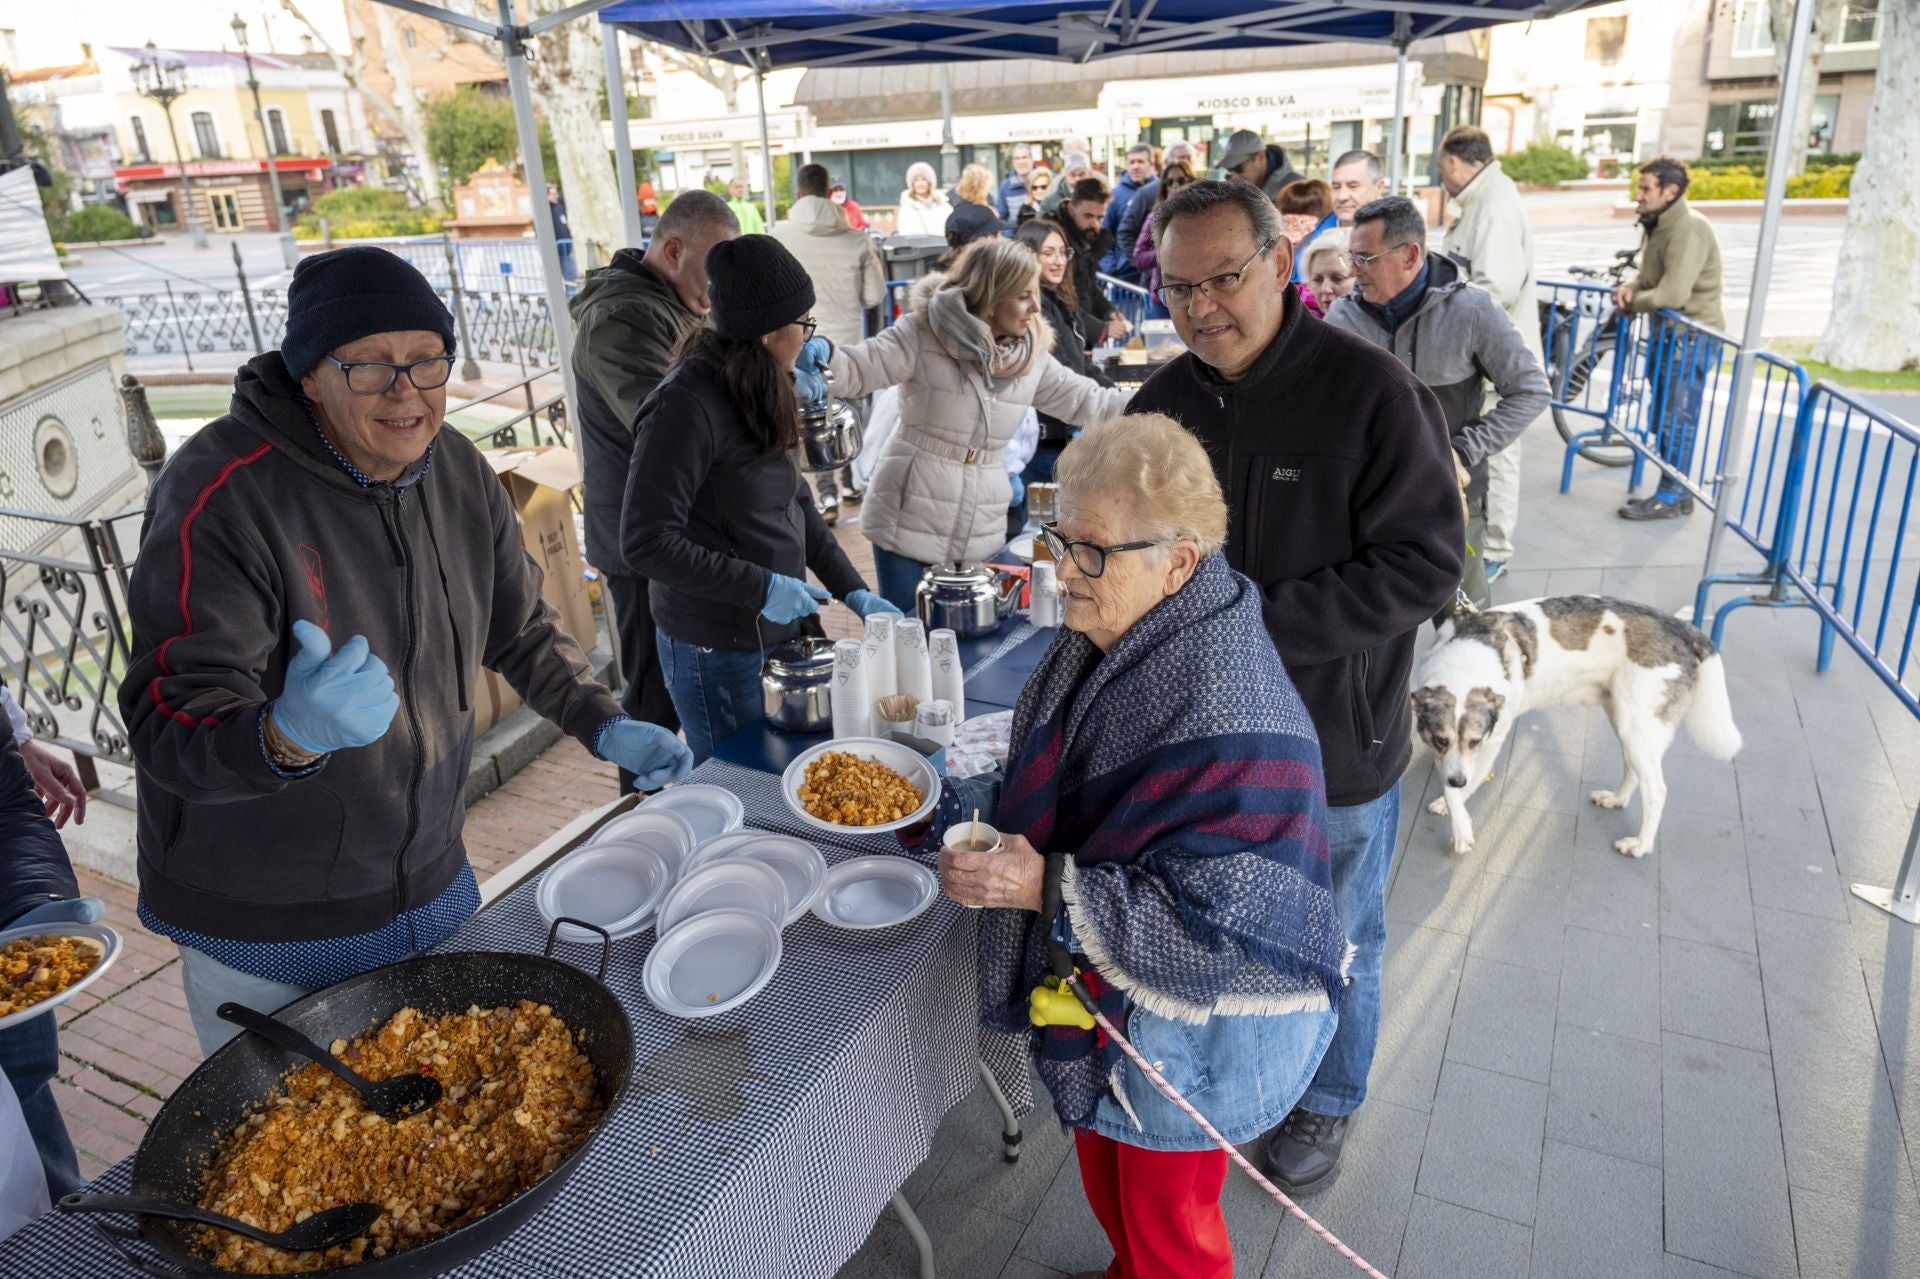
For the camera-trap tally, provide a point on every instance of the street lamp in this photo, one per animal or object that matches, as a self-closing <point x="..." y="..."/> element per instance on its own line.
<point x="266" y="136"/>
<point x="164" y="80"/>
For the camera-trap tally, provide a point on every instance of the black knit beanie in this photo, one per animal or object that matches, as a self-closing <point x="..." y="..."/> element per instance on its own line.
<point x="343" y="295"/>
<point x="755" y="286"/>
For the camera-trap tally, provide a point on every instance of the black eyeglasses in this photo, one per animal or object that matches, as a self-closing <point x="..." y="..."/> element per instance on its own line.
<point x="1176" y="296"/>
<point x="375" y="377"/>
<point x="1089" y="558"/>
<point x="808" y="327"/>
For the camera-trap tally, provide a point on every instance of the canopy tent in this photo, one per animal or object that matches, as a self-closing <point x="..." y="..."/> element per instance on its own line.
<point x="764" y="34"/>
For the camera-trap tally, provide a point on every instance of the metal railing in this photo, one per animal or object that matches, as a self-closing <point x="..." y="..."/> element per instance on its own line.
<point x="1130" y="300"/>
<point x="64" y="630"/>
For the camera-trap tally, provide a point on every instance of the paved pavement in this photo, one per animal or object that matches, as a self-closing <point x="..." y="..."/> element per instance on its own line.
<point x="1702" y="1065"/>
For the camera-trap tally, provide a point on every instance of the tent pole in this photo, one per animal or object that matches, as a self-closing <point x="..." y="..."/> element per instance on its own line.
<point x="1401" y="27"/>
<point x="622" y="138"/>
<point x="1734" y="440"/>
<point x="766" y="147"/>
<point x="949" y="153"/>
<point x="513" y="46"/>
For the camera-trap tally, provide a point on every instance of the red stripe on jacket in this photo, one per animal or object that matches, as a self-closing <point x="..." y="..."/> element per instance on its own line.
<point x="186" y="584"/>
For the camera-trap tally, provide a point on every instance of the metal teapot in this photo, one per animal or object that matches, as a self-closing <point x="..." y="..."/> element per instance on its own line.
<point x="796" y="685"/>
<point x="968" y="599"/>
<point x="830" y="434"/>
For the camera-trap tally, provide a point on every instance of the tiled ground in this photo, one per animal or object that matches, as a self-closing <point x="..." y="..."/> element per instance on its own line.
<point x="1690" y="1067"/>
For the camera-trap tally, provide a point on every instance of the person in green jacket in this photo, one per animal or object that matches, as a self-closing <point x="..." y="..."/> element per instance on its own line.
<point x="1679" y="271"/>
<point x="740" y="200"/>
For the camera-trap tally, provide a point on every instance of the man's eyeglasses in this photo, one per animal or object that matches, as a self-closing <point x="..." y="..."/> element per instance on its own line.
<point x="1173" y="296"/>
<point x="1086" y="556"/>
<point x="1368" y="259"/>
<point x="375" y="377"/>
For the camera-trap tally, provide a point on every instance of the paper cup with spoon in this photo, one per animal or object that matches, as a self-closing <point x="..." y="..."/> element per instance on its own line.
<point x="972" y="837"/>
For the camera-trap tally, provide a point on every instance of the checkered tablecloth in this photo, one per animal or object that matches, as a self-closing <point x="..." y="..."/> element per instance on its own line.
<point x="761" y="1142"/>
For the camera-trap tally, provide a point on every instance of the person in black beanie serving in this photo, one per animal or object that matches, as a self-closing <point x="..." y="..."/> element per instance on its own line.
<point x="322" y="574"/>
<point x="717" y="517"/>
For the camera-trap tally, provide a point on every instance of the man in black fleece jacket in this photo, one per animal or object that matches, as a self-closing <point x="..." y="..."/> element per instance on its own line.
<point x="1339" y="481"/>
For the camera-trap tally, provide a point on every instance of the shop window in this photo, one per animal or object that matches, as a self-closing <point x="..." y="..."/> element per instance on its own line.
<point x="1746" y="128"/>
<point x="1606" y="40"/>
<point x="225" y="209"/>
<point x="331" y="132"/>
<point x="277" y="131"/>
<point x="141" y="152"/>
<point x="1753" y="27"/>
<point x="1860" y="24"/>
<point x="205" y="140"/>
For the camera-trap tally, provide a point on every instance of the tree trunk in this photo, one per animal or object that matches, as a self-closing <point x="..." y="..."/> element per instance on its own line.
<point x="1826" y="19"/>
<point x="406" y="102"/>
<point x="567" y="74"/>
<point x="1875" y="322"/>
<point x="352" y="69"/>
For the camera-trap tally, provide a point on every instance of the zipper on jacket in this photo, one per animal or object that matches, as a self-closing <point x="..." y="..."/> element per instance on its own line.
<point x="389" y="513"/>
<point x="446" y="597"/>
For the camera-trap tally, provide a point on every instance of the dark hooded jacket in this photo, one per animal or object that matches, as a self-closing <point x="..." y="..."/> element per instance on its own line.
<point x="626" y="323"/>
<point x="252" y="526"/>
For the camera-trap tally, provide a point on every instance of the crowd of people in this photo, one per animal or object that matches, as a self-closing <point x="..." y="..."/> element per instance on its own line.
<point x="1278" y="510"/>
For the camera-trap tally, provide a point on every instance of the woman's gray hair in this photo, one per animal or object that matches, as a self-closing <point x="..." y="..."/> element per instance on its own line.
<point x="1155" y="470"/>
<point x="1331" y="240"/>
<point x="1199" y="198"/>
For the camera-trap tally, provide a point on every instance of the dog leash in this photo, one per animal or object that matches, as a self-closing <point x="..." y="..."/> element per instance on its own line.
<point x="1067" y="976"/>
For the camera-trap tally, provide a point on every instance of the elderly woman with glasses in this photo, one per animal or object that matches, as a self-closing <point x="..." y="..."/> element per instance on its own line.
<point x="323" y="574"/>
<point x="1167" y="841"/>
<point x="717" y="516"/>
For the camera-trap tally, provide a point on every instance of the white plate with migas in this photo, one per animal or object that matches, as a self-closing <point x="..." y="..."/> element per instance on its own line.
<point x="97" y="937"/>
<point x="875" y="892"/>
<point x="711" y="963"/>
<point x="710" y="810"/>
<point x="904" y="760"/>
<point x="797" y="862"/>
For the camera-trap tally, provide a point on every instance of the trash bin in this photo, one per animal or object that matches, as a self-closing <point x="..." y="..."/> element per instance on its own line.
<point x="909" y="257"/>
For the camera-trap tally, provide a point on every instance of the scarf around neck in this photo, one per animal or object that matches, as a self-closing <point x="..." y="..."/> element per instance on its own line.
<point x="967" y="338"/>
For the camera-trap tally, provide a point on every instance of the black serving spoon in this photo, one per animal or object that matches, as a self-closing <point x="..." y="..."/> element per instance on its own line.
<point x="321" y="1230"/>
<point x="393" y="1098"/>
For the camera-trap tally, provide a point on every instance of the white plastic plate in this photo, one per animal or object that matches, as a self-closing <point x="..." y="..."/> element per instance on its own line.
<point x="875" y="892"/>
<point x="798" y="863"/>
<point x="710" y="810"/>
<point x="904" y="760"/>
<point x="106" y="939"/>
<point x="727" y="884"/>
<point x="1021" y="548"/>
<point x="613" y="883"/>
<point x="711" y="963"/>
<point x="665" y="832"/>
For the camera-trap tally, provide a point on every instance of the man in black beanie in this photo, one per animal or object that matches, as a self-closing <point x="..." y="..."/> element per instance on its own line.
<point x="322" y="575"/>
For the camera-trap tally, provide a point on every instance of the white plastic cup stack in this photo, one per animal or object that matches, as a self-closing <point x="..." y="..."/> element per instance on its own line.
<point x="1045" y="607"/>
<point x="913" y="671"/>
<point x="933" y="722"/>
<point x="877" y="649"/>
<point x="852" y="702"/>
<point x="949" y="677"/>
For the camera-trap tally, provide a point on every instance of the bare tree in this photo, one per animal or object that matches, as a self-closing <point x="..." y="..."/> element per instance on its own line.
<point x="1826" y="20"/>
<point x="403" y="113"/>
<point x="1875" y="322"/>
<point x="723" y="76"/>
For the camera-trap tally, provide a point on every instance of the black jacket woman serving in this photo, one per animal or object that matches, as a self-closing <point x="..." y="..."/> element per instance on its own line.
<point x="717" y="516"/>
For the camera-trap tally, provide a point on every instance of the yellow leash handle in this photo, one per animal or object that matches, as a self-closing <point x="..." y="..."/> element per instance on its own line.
<point x="1052" y="1004"/>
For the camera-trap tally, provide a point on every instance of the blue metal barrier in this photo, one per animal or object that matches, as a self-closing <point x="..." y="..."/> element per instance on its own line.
<point x="895" y="305"/>
<point x="1130" y="300"/>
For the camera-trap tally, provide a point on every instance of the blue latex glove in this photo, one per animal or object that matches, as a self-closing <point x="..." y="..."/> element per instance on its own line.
<point x="809" y="387"/>
<point x="652" y="754"/>
<point x="68" y="910"/>
<point x="1019" y="490"/>
<point x="866" y="603"/>
<point x="790" y="599"/>
<point x="814" y="355"/>
<point x="334" y="700"/>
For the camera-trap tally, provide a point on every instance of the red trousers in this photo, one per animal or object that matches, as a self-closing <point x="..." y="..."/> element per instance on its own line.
<point x="1160" y="1209"/>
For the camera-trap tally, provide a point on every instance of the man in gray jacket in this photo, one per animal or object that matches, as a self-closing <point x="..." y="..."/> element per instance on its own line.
<point x="1492" y="241"/>
<point x="847" y="279"/>
<point x="1451" y="335"/>
<point x="627" y="319"/>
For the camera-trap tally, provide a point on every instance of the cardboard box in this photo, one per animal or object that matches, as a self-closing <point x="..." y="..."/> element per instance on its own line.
<point x="539" y="482"/>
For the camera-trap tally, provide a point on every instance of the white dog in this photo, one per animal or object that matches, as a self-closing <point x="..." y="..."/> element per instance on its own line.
<point x="1651" y="672"/>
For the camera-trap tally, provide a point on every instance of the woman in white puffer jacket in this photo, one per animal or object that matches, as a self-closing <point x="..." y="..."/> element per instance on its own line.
<point x="972" y="354"/>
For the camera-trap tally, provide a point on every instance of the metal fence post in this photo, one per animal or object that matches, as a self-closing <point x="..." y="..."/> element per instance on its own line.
<point x="246" y="296"/>
<point x="144" y="441"/>
<point x="469" y="367"/>
<point x="1902" y="901"/>
<point x="186" y="348"/>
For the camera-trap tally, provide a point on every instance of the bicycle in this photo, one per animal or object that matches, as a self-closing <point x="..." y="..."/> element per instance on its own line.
<point x="1597" y="349"/>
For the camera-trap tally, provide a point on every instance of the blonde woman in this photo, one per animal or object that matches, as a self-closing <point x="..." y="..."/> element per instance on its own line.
<point x="923" y="205"/>
<point x="1326" y="269"/>
<point x="972" y="354"/>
